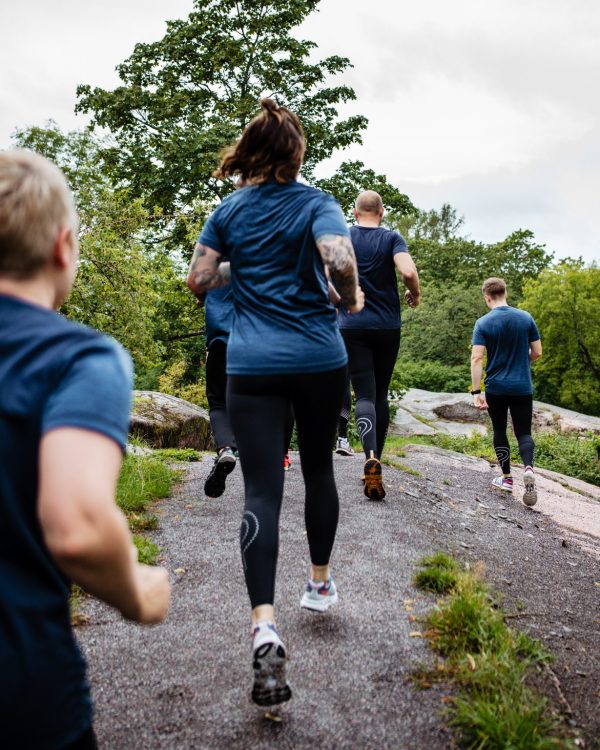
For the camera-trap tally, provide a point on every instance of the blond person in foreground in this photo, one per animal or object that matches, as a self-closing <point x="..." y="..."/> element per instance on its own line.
<point x="64" y="408"/>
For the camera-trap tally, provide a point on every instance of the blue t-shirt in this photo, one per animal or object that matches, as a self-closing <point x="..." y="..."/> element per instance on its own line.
<point x="218" y="314"/>
<point x="283" y="321"/>
<point x="53" y="373"/>
<point x="506" y="334"/>
<point x="375" y="248"/>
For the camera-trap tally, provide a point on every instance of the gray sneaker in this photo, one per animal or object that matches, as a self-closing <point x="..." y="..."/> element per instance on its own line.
<point x="319" y="595"/>
<point x="530" y="494"/>
<point x="343" y="447"/>
<point x="269" y="661"/>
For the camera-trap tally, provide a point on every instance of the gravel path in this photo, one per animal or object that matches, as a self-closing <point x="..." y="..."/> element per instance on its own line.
<point x="185" y="684"/>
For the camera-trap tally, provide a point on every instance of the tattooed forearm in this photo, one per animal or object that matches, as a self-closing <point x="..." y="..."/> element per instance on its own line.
<point x="207" y="271"/>
<point x="338" y="255"/>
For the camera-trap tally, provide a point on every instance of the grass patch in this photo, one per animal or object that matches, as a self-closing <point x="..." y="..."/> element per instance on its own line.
<point x="147" y="550"/>
<point x="177" y="454"/>
<point x="488" y="661"/>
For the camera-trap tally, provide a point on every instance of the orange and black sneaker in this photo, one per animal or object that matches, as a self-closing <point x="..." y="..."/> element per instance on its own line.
<point x="373" y="479"/>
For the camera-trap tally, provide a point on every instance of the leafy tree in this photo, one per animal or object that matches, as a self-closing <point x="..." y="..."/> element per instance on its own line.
<point x="564" y="303"/>
<point x="440" y="328"/>
<point x="443" y="256"/>
<point x="185" y="97"/>
<point x="125" y="287"/>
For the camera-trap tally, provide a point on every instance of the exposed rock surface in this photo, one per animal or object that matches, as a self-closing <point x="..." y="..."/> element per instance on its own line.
<point x="169" y="422"/>
<point x="428" y="413"/>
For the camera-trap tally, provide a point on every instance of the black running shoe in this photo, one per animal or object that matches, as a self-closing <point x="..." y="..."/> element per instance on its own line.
<point x="224" y="465"/>
<point x="373" y="480"/>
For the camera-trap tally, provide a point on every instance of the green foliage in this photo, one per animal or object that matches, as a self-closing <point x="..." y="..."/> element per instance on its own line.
<point x="438" y="573"/>
<point x="439" y="330"/>
<point x="573" y="455"/>
<point x="496" y="709"/>
<point x="147" y="550"/>
<point x="564" y="303"/>
<point x="177" y="454"/>
<point x="185" y="97"/>
<point x="445" y="258"/>
<point x="429" y="375"/>
<point x="142" y="480"/>
<point x="127" y="285"/>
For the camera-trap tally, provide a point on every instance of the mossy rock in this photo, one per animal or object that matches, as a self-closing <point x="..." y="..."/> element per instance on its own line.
<point x="164" y="421"/>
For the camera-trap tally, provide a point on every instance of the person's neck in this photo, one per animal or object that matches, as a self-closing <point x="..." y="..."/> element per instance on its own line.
<point x="368" y="221"/>
<point x="498" y="303"/>
<point x="37" y="291"/>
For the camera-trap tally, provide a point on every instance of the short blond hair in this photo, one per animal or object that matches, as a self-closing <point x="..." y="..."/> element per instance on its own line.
<point x="35" y="204"/>
<point x="494" y="287"/>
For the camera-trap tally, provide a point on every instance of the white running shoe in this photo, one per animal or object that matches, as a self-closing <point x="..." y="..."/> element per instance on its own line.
<point x="319" y="595"/>
<point x="269" y="661"/>
<point x="530" y="494"/>
<point x="503" y="483"/>
<point x="343" y="447"/>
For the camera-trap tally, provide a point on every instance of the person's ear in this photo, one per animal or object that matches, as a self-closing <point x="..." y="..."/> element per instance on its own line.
<point x="64" y="247"/>
<point x="355" y="212"/>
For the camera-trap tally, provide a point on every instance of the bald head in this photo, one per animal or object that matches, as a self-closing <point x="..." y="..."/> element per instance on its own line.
<point x="369" y="206"/>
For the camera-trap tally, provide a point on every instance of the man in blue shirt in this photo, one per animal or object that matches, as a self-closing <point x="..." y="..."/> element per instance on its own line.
<point x="372" y="336"/>
<point x="511" y="340"/>
<point x="64" y="411"/>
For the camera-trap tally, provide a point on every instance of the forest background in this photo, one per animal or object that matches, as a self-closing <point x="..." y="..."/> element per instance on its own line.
<point x="142" y="178"/>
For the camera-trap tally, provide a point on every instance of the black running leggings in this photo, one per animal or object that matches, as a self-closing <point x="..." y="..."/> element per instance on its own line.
<point x="521" y="409"/>
<point x="216" y="390"/>
<point x="372" y="355"/>
<point x="259" y="408"/>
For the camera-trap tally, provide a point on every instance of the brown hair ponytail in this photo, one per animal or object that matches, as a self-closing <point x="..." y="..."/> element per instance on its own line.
<point x="271" y="147"/>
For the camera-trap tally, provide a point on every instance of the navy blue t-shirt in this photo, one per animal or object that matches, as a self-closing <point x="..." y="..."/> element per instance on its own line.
<point x="506" y="334"/>
<point x="375" y="248"/>
<point x="283" y="321"/>
<point x="218" y="314"/>
<point x="53" y="373"/>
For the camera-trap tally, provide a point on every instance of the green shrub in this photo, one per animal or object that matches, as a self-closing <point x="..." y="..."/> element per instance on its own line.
<point x="430" y="376"/>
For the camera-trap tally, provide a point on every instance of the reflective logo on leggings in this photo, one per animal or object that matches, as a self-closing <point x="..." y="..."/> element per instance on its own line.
<point x="364" y="426"/>
<point x="248" y="532"/>
<point x="503" y="454"/>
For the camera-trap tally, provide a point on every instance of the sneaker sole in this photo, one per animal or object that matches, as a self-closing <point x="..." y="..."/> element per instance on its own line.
<point x="502" y="489"/>
<point x="270" y="684"/>
<point x="344" y="452"/>
<point x="373" y="480"/>
<point x="307" y="603"/>
<point x="215" y="484"/>
<point x="530" y="494"/>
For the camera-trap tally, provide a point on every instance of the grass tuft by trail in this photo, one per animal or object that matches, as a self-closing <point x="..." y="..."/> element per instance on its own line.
<point x="496" y="707"/>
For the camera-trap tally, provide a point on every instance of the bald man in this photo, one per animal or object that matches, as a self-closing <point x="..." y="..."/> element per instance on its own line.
<point x="372" y="336"/>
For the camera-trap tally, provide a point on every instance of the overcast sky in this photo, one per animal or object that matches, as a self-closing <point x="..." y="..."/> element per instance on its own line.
<point x="490" y="106"/>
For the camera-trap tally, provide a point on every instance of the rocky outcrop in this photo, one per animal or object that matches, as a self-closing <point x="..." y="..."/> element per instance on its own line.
<point x="428" y="413"/>
<point x="165" y="421"/>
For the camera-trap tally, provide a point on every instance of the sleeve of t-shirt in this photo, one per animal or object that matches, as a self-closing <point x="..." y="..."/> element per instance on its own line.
<point x="94" y="394"/>
<point x="478" y="337"/>
<point x="329" y="219"/>
<point x="398" y="244"/>
<point x="534" y="334"/>
<point x="211" y="234"/>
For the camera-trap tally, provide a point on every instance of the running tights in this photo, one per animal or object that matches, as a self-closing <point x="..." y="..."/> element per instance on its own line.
<point x="372" y="355"/>
<point x="259" y="408"/>
<point x="521" y="408"/>
<point x="345" y="412"/>
<point x="216" y="388"/>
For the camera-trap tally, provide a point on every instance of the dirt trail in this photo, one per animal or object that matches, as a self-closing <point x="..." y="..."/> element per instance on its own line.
<point x="185" y="684"/>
